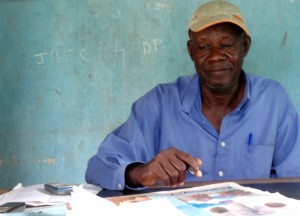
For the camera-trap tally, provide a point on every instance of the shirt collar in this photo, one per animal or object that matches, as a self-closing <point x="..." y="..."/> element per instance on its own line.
<point x="247" y="94"/>
<point x="192" y="96"/>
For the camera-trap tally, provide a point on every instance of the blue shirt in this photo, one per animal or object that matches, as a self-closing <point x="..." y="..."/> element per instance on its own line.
<point x="258" y="139"/>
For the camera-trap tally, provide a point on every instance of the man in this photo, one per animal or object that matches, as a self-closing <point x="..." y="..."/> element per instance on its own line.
<point x="222" y="123"/>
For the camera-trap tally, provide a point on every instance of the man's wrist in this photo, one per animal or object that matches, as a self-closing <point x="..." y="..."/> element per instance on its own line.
<point x="131" y="179"/>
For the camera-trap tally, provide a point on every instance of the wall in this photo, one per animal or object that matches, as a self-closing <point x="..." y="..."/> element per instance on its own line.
<point x="70" y="70"/>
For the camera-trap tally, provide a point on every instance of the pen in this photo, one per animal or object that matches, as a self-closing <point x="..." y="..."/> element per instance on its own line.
<point x="249" y="142"/>
<point x="190" y="170"/>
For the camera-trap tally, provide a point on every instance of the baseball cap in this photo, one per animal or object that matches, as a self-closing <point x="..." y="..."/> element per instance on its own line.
<point x="215" y="12"/>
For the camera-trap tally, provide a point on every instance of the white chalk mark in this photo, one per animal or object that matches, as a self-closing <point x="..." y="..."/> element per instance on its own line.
<point x="100" y="53"/>
<point x="147" y="48"/>
<point x="70" y="50"/>
<point x="41" y="55"/>
<point x="156" y="43"/>
<point x="82" y="55"/>
<point x="159" y="6"/>
<point x="60" y="58"/>
<point x="54" y="53"/>
<point x="117" y="50"/>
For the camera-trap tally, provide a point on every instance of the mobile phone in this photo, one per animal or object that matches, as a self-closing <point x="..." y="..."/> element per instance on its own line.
<point x="12" y="207"/>
<point x="59" y="189"/>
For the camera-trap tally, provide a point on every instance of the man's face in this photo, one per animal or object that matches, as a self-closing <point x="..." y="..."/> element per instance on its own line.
<point x="218" y="54"/>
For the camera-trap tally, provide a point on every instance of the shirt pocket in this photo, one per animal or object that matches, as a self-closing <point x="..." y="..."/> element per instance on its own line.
<point x="258" y="160"/>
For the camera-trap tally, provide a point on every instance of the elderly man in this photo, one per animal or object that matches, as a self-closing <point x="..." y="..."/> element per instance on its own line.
<point x="221" y="123"/>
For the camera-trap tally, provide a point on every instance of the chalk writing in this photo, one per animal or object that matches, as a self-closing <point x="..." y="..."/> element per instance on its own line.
<point x="82" y="55"/>
<point x="159" y="5"/>
<point x="15" y="161"/>
<point x="64" y="58"/>
<point x="85" y="54"/>
<point x="41" y="57"/>
<point x="114" y="55"/>
<point x="49" y="161"/>
<point x="148" y="48"/>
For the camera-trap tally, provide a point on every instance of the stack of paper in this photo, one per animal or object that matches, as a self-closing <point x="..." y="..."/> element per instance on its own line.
<point x="36" y="195"/>
<point x="211" y="200"/>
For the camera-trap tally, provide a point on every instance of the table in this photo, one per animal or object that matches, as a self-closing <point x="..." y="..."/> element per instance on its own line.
<point x="2" y="191"/>
<point x="289" y="187"/>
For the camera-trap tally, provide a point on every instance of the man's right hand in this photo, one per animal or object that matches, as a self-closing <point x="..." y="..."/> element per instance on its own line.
<point x="168" y="166"/>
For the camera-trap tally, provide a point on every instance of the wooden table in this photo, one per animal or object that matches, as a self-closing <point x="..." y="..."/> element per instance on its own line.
<point x="2" y="191"/>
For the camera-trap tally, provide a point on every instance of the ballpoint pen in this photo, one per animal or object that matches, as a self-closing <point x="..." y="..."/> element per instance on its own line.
<point x="190" y="170"/>
<point x="249" y="142"/>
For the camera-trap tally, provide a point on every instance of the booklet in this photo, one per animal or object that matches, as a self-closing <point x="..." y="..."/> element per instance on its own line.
<point x="222" y="199"/>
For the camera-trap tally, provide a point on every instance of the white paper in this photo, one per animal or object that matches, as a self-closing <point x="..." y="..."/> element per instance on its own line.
<point x="150" y="208"/>
<point x="86" y="203"/>
<point x="36" y="195"/>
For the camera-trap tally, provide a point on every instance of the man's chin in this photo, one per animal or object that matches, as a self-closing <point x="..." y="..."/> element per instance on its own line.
<point x="219" y="88"/>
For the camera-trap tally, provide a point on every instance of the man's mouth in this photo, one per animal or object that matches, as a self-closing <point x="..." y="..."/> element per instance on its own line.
<point x="218" y="71"/>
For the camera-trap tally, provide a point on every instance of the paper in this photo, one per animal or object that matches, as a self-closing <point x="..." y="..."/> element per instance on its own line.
<point x="36" y="195"/>
<point x="85" y="203"/>
<point x="211" y="200"/>
<point x="226" y="199"/>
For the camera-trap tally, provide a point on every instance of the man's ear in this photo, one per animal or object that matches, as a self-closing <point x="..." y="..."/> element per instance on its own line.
<point x="246" y="44"/>
<point x="190" y="49"/>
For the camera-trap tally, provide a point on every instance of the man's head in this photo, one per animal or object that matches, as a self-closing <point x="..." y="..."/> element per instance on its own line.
<point x="219" y="41"/>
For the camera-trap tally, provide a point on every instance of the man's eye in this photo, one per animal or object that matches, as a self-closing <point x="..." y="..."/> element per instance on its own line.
<point x="227" y="46"/>
<point x="203" y="47"/>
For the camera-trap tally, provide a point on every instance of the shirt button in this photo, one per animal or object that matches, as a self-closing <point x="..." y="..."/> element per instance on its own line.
<point x="120" y="186"/>
<point x="223" y="144"/>
<point x="221" y="174"/>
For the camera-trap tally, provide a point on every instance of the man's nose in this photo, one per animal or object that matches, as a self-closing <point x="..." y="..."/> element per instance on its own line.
<point x="216" y="54"/>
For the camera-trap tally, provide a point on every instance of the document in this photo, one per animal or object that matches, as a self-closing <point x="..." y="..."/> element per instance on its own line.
<point x="226" y="199"/>
<point x="36" y="195"/>
<point x="85" y="203"/>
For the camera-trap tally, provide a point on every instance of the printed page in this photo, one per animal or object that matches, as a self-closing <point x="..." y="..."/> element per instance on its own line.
<point x="226" y="199"/>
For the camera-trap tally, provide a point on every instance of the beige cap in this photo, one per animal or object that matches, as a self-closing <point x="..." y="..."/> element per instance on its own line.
<point x="215" y="12"/>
